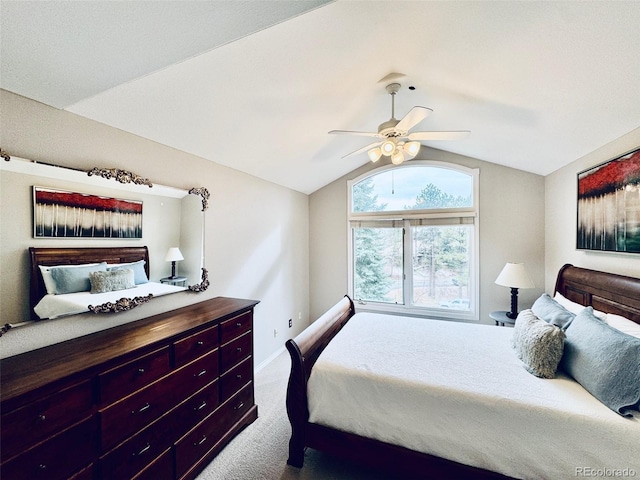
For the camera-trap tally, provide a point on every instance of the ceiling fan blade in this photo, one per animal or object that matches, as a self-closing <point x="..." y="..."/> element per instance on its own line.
<point x="350" y="132"/>
<point x="363" y="149"/>
<point x="455" y="135"/>
<point x="414" y="117"/>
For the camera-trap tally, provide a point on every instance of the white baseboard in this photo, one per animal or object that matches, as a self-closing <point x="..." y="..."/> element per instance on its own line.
<point x="270" y="359"/>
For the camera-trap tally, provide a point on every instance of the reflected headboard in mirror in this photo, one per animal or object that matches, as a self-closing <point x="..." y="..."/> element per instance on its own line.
<point x="77" y="256"/>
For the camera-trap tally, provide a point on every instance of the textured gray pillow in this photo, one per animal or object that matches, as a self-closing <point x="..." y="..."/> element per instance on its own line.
<point x="547" y="309"/>
<point x="111" y="281"/>
<point x="538" y="344"/>
<point x="605" y="361"/>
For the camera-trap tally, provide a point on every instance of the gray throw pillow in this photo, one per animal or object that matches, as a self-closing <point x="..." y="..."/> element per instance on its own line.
<point x="75" y="279"/>
<point x="547" y="309"/>
<point x="538" y="344"/>
<point x="605" y="361"/>
<point x="139" y="275"/>
<point x="102" y="282"/>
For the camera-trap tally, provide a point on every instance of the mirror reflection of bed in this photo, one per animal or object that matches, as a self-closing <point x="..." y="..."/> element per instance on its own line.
<point x="67" y="281"/>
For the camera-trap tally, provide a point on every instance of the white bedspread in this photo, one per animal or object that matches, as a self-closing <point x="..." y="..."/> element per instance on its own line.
<point x="458" y="391"/>
<point x="53" y="306"/>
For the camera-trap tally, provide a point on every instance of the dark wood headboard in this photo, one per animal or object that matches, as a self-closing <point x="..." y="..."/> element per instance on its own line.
<point x="77" y="256"/>
<point x="607" y="292"/>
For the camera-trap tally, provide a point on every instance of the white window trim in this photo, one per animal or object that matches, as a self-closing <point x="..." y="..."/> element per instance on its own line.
<point x="408" y="310"/>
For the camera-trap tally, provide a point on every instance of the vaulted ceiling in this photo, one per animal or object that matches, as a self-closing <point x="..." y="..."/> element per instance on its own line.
<point x="256" y="85"/>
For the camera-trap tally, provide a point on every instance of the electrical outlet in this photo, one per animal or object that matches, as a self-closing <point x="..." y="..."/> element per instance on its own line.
<point x="300" y="316"/>
<point x="290" y="322"/>
<point x="275" y="333"/>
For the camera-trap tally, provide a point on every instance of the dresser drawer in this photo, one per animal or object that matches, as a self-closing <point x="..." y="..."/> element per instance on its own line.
<point x="234" y="352"/>
<point x="204" y="437"/>
<point x="234" y="327"/>
<point x="195" y="345"/>
<point x="235" y="378"/>
<point x="160" y="469"/>
<point x="196" y="408"/>
<point x="59" y="457"/>
<point x="126" y="379"/>
<point x="132" y="413"/>
<point x="132" y="456"/>
<point x="28" y="425"/>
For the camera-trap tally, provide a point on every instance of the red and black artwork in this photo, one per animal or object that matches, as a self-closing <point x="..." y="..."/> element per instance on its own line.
<point x="59" y="214"/>
<point x="609" y="205"/>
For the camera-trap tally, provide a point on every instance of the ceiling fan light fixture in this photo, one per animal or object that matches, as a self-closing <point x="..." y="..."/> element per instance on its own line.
<point x="411" y="148"/>
<point x="398" y="157"/>
<point x="388" y="147"/>
<point x="374" y="154"/>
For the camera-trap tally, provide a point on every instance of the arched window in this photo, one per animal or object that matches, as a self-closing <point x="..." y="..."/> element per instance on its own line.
<point x="413" y="240"/>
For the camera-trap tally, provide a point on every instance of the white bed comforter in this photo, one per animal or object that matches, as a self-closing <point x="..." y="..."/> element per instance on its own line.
<point x="53" y="306"/>
<point x="458" y="391"/>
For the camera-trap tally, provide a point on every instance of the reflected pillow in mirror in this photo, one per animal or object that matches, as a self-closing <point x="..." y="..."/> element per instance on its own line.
<point x="139" y="275"/>
<point x="110" y="281"/>
<point x="70" y="279"/>
<point x="49" y="282"/>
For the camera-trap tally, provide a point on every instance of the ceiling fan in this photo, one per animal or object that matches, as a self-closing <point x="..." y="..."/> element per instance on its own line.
<point x="395" y="139"/>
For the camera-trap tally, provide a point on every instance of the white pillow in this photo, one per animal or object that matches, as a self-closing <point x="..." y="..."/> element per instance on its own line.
<point x="574" y="307"/>
<point x="49" y="282"/>
<point x="623" y="324"/>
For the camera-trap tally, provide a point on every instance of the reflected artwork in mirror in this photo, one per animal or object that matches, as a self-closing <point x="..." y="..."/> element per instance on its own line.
<point x="173" y="218"/>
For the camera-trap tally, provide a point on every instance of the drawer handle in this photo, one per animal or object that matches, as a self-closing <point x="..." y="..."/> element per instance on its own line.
<point x="200" y="374"/>
<point x="200" y="343"/>
<point x="239" y="377"/>
<point x="239" y="349"/>
<point x="202" y="440"/>
<point x="42" y="417"/>
<point x="147" y="406"/>
<point x="238" y="324"/>
<point x="140" y="371"/>
<point x="202" y="405"/>
<point x="42" y="466"/>
<point x="144" y="450"/>
<point x="239" y="406"/>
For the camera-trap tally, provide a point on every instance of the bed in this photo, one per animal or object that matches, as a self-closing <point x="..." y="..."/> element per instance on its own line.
<point x="481" y="419"/>
<point x="48" y="305"/>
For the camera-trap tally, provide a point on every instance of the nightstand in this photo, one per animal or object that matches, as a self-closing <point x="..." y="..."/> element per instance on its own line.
<point x="177" y="281"/>
<point x="500" y="317"/>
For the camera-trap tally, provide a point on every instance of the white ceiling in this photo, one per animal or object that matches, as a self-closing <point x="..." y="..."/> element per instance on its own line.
<point x="256" y="85"/>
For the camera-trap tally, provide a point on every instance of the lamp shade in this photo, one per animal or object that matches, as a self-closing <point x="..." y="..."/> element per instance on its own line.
<point x="375" y="154"/>
<point x="514" y="275"/>
<point x="173" y="255"/>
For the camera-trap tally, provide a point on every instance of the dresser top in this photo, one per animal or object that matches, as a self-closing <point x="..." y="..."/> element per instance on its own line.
<point x="28" y="371"/>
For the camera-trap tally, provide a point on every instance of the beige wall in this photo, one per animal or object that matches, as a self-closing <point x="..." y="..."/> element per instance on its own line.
<point x="256" y="232"/>
<point x="511" y="230"/>
<point x="561" y="214"/>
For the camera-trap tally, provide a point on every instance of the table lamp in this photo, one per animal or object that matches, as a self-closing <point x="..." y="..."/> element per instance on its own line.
<point x="173" y="255"/>
<point x="515" y="276"/>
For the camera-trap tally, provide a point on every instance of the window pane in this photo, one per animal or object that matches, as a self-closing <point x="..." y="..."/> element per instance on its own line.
<point x="412" y="188"/>
<point x="441" y="266"/>
<point x="377" y="269"/>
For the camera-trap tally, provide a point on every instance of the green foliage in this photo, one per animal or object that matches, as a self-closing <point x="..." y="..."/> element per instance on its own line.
<point x="432" y="197"/>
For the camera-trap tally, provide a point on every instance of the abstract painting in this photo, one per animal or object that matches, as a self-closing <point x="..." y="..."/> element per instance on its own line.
<point x="61" y="214"/>
<point x="609" y="205"/>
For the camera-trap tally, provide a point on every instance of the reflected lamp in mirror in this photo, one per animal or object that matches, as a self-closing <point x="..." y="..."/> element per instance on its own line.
<point x="515" y="276"/>
<point x="173" y="255"/>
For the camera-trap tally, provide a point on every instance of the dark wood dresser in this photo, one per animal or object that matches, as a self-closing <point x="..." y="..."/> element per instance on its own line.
<point x="156" y="398"/>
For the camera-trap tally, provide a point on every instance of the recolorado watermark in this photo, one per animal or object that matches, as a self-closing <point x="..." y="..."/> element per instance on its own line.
<point x="605" y="472"/>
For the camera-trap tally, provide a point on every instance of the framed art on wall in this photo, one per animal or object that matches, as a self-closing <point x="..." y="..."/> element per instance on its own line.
<point x="609" y="205"/>
<point x="62" y="214"/>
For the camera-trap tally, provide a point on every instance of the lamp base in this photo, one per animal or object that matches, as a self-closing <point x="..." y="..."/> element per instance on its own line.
<point x="513" y="314"/>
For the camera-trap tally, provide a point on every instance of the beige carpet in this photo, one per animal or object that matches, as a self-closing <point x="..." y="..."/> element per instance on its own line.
<point x="259" y="452"/>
